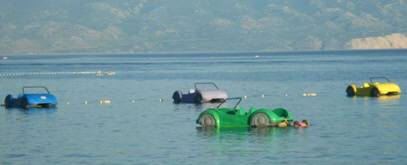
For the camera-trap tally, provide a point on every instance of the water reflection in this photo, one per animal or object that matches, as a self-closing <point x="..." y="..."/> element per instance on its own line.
<point x="39" y="110"/>
<point x="383" y="101"/>
<point x="196" y="107"/>
<point x="269" y="131"/>
<point x="389" y="102"/>
<point x="33" y="110"/>
<point x="388" y="98"/>
<point x="380" y="98"/>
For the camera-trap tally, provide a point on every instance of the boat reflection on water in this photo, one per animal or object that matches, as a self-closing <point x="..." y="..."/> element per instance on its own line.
<point x="33" y="110"/>
<point x="39" y="110"/>
<point x="388" y="98"/>
<point x="381" y="101"/>
<point x="196" y="107"/>
<point x="389" y="102"/>
<point x="380" y="98"/>
<point x="385" y="98"/>
<point x="267" y="131"/>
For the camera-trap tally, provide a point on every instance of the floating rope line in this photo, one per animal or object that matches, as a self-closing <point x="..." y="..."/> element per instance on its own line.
<point x="96" y="73"/>
<point x="108" y="101"/>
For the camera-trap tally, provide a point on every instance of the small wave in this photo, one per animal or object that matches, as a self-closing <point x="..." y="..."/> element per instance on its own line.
<point x="79" y="155"/>
<point x="14" y="155"/>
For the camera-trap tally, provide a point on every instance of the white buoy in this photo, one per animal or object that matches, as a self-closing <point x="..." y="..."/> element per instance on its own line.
<point x="309" y="94"/>
<point x="68" y="103"/>
<point x="105" y="101"/>
<point x="161" y="100"/>
<point x="110" y="73"/>
<point x="86" y="102"/>
<point x="99" y="73"/>
<point x="262" y="96"/>
<point x="245" y="97"/>
<point x="133" y="101"/>
<point x="5" y="58"/>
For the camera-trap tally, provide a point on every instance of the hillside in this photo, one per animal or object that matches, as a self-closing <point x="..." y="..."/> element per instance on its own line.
<point x="45" y="26"/>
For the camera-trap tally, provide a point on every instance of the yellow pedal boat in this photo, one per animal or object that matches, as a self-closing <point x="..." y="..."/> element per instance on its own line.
<point x="374" y="88"/>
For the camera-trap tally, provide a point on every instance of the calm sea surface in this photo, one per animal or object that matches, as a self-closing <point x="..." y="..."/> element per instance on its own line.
<point x="139" y="128"/>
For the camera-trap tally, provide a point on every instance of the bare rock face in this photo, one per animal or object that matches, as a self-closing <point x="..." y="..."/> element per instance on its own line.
<point x="391" y="41"/>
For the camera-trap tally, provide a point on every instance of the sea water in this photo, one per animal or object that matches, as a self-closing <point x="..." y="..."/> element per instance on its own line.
<point x="117" y="109"/>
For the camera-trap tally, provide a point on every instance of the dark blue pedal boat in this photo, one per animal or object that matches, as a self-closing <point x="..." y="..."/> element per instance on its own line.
<point x="200" y="95"/>
<point x="39" y="97"/>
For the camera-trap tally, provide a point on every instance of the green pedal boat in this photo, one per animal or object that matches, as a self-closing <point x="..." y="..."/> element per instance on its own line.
<point x="220" y="117"/>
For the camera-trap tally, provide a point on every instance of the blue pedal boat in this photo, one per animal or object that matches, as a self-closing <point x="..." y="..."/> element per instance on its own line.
<point x="39" y="97"/>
